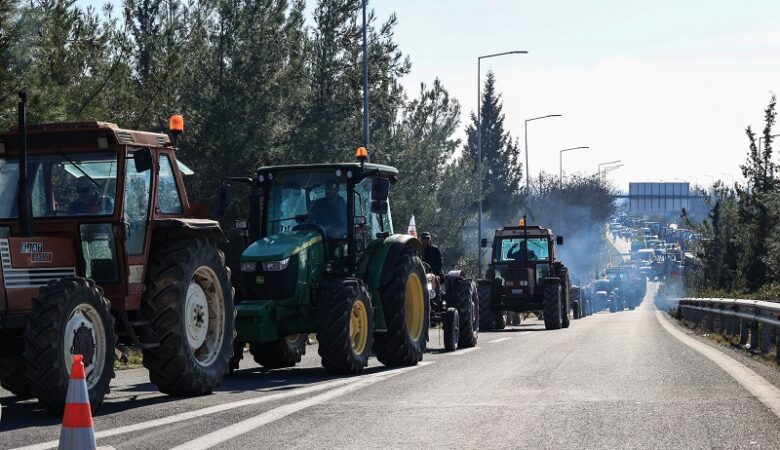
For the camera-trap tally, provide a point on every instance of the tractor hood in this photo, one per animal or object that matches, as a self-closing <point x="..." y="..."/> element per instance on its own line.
<point x="277" y="247"/>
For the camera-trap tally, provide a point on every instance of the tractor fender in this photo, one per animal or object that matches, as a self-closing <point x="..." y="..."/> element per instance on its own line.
<point x="167" y="228"/>
<point x="385" y="258"/>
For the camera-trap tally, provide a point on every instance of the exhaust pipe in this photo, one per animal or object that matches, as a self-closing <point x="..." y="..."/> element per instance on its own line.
<point x="24" y="200"/>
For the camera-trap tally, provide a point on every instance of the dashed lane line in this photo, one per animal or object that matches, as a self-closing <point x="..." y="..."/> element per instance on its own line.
<point x="216" y="409"/>
<point x="225" y="434"/>
<point x="496" y="341"/>
<point x="464" y="351"/>
<point x="764" y="391"/>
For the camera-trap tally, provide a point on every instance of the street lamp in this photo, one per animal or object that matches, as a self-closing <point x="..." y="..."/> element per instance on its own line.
<point x="611" y="168"/>
<point x="618" y="161"/>
<point x="528" y="172"/>
<point x="365" y="83"/>
<point x="560" y="179"/>
<point x="479" y="146"/>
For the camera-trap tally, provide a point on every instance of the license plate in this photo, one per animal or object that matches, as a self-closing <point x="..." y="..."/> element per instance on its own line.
<point x="517" y="292"/>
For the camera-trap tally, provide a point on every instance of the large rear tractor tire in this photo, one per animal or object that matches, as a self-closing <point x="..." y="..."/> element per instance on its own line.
<point x="285" y="352"/>
<point x="552" y="305"/>
<point x="189" y="303"/>
<point x="464" y="298"/>
<point x="486" y="317"/>
<point x="407" y="313"/>
<point x="69" y="316"/>
<point x="346" y="326"/>
<point x="451" y="332"/>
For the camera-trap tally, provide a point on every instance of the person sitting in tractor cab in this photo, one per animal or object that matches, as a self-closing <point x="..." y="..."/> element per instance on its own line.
<point x="518" y="252"/>
<point x="431" y="255"/>
<point x="330" y="212"/>
<point x="88" y="201"/>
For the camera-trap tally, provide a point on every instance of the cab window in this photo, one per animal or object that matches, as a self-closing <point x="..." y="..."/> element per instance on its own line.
<point x="168" y="199"/>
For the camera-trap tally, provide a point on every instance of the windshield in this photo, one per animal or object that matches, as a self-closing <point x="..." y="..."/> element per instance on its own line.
<point x="61" y="185"/>
<point x="306" y="197"/>
<point x="513" y="249"/>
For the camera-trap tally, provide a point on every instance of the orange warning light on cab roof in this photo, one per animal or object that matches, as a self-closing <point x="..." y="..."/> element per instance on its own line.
<point x="361" y="153"/>
<point x="176" y="124"/>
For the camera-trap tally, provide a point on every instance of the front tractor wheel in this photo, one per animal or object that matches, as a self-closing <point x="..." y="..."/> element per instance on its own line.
<point x="285" y="352"/>
<point x="189" y="304"/>
<point x="407" y="311"/>
<point x="465" y="298"/>
<point x="346" y="326"/>
<point x="450" y="325"/>
<point x="70" y="316"/>
<point x="486" y="317"/>
<point x="553" y="319"/>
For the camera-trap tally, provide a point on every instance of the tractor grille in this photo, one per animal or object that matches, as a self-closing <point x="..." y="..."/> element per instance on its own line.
<point x="275" y="285"/>
<point x="29" y="278"/>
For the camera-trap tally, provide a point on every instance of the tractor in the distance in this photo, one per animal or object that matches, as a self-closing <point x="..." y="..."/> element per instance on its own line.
<point x="101" y="246"/>
<point x="524" y="276"/>
<point x="321" y="257"/>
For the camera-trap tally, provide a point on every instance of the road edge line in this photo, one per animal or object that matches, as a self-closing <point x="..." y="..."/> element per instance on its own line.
<point x="761" y="389"/>
<point x="225" y="434"/>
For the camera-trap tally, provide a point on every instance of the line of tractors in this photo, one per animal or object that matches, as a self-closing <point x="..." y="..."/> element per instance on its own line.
<point x="102" y="248"/>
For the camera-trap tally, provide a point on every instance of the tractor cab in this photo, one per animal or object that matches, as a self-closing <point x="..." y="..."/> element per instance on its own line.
<point x="522" y="258"/>
<point x="94" y="190"/>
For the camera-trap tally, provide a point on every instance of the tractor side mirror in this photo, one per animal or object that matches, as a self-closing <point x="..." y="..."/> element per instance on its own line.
<point x="380" y="190"/>
<point x="559" y="240"/>
<point x="484" y="243"/>
<point x="223" y="200"/>
<point x="379" y="207"/>
<point x="142" y="159"/>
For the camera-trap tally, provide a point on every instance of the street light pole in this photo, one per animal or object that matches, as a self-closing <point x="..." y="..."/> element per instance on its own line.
<point x="479" y="147"/>
<point x="560" y="180"/>
<point x="607" y="164"/>
<point x="365" y="83"/>
<point x="527" y="171"/>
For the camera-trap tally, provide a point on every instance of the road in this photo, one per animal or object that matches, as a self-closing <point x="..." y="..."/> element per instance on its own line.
<point x="610" y="381"/>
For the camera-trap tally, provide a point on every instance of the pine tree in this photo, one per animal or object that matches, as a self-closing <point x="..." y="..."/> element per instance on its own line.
<point x="502" y="170"/>
<point x="756" y="213"/>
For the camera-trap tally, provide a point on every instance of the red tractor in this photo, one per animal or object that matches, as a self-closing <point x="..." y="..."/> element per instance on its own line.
<point x="100" y="246"/>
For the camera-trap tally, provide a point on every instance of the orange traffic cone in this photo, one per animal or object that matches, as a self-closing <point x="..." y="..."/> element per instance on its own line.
<point x="77" y="432"/>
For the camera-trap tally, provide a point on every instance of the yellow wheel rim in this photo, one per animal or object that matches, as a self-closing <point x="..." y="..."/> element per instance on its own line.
<point x="358" y="327"/>
<point x="414" y="306"/>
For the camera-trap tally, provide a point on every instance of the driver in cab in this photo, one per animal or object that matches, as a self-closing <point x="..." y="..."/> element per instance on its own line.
<point x="330" y="212"/>
<point x="88" y="201"/>
<point x="518" y="251"/>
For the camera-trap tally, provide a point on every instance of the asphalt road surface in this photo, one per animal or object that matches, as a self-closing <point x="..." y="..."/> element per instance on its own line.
<point x="610" y="381"/>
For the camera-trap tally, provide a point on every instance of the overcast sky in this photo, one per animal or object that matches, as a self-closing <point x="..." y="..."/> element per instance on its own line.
<point x="666" y="86"/>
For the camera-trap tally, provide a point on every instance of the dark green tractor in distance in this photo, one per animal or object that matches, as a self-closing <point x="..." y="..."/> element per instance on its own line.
<point x="321" y="257"/>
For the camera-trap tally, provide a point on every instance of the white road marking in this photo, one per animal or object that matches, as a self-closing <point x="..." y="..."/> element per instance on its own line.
<point x="496" y="341"/>
<point x="203" y="412"/>
<point x="764" y="391"/>
<point x="245" y="426"/>
<point x="464" y="351"/>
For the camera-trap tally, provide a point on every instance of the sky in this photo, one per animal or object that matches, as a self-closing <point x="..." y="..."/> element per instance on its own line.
<point x="667" y="86"/>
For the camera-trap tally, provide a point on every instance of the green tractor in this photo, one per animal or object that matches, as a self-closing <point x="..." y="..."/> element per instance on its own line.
<point x="320" y="256"/>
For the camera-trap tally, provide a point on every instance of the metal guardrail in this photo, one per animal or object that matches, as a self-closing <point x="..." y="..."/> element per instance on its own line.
<point x="752" y="320"/>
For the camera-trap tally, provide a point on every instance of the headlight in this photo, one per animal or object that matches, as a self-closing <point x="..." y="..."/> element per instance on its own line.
<point x="248" y="266"/>
<point x="276" y="266"/>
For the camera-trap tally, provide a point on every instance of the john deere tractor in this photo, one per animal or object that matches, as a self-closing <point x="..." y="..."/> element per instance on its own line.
<point x="321" y="257"/>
